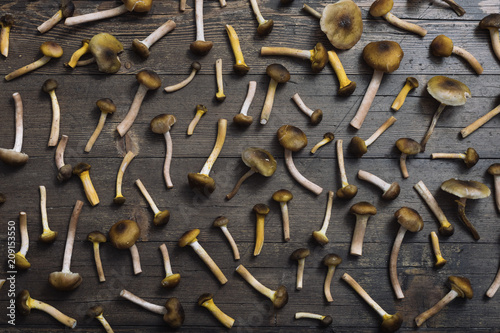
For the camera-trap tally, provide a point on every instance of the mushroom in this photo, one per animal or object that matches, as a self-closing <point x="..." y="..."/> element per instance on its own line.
<point x="346" y="86"/>
<point x="200" y="111"/>
<point x="148" y="80"/>
<point x="460" y="286"/>
<point x="97" y="237"/>
<point x="14" y="157"/>
<point x="207" y="301"/>
<point x="200" y="46"/>
<point x="162" y="124"/>
<point x="160" y="217"/>
<point x="445" y="228"/>
<point x="65" y="280"/>
<point x="97" y="312"/>
<point x="6" y="23"/>
<point x="327" y="138"/>
<point x="300" y="256"/>
<point x="123" y="235"/>
<point x="141" y="47"/>
<point x="49" y="50"/>
<point x="446" y="91"/>
<point x="479" y="122"/>
<point x="470" y="157"/>
<point x="358" y="147"/>
<point x="466" y="189"/>
<point x="221" y="222"/>
<point x="242" y="119"/>
<point x="20" y="257"/>
<point x="171" y="280"/>
<point x="65" y="171"/>
<point x="324" y="320"/>
<point x="172" y="311"/>
<point x="492" y="23"/>
<point x="315" y="115"/>
<point x="384" y="57"/>
<point x="318" y="55"/>
<point x="50" y="86"/>
<point x="391" y="191"/>
<point x="409" y="220"/>
<point x="283" y="197"/>
<point x="494" y="170"/>
<point x="105" y="49"/>
<point x="195" y="67"/>
<point x="201" y="181"/>
<point x="494" y="285"/>
<point x="279" y="297"/>
<point x="259" y="161"/>
<point x="363" y="210"/>
<point x="383" y="8"/>
<point x="456" y="7"/>
<point x="440" y="261"/>
<point x="442" y="46"/>
<point x="278" y="74"/>
<point x="411" y="83"/>
<point x="138" y="6"/>
<point x="331" y="260"/>
<point x="82" y="170"/>
<point x="3" y="198"/>
<point x="182" y="5"/>
<point x="320" y="236"/>
<point x="240" y="67"/>
<point x="75" y="57"/>
<point x="189" y="238"/>
<point x="47" y="236"/>
<point x="261" y="210"/>
<point x="390" y="323"/>
<point x="106" y="106"/>
<point x="265" y="26"/>
<point x="219" y="96"/>
<point x="293" y="139"/>
<point x="25" y="303"/>
<point x="347" y="191"/>
<point x="66" y="9"/>
<point x="407" y="147"/>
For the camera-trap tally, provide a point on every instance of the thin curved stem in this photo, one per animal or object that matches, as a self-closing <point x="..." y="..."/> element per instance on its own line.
<point x="388" y="123"/>
<point x="98" y="262"/>
<point x="168" y="160"/>
<point x="221" y="137"/>
<point x="49" y="309"/>
<point x="328" y="213"/>
<point x="43" y="207"/>
<point x="480" y="122"/>
<point x="421" y="318"/>
<point x="231" y="241"/>
<point x="402" y="165"/>
<point x="393" y="263"/>
<point x="286" y="221"/>
<point x="434" y="120"/>
<point x="340" y="159"/>
<point x="56" y="119"/>
<point x="397" y="22"/>
<point x="97" y="131"/>
<point x="209" y="262"/>
<point x="456" y="7"/>
<point x="127" y="122"/>
<point x="158" y="309"/>
<point x="252" y="87"/>
<point x="23" y="228"/>
<point x="70" y="239"/>
<point x="166" y="260"/>
<point x="161" y="31"/>
<point x="361" y="292"/>
<point x="238" y="184"/>
<point x="302" y="106"/>
<point x="61" y="147"/>
<point x="371" y="178"/>
<point x="28" y="68"/>
<point x="367" y="101"/>
<point x="446" y="229"/>
<point x="469" y="58"/>
<point x="256" y="11"/>
<point x="51" y="22"/>
<point x="328" y="282"/>
<point x="268" y="102"/>
<point x="245" y="274"/>
<point x="104" y="14"/>
<point x="465" y="220"/>
<point x="183" y="83"/>
<point x="494" y="285"/>
<point x="316" y="189"/>
<point x="495" y="41"/>
<point x="18" y="144"/>
<point x="359" y="235"/>
<point x="136" y="260"/>
<point x="123" y="167"/>
<point x="146" y="195"/>
<point x="311" y="11"/>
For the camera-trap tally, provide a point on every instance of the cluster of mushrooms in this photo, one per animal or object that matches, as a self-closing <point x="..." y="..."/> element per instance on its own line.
<point x="342" y="23"/>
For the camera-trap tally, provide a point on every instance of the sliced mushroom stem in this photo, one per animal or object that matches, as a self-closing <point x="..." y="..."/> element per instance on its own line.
<point x="440" y="261"/>
<point x="388" y="123"/>
<point x="158" y="309"/>
<point x="456" y="7"/>
<point x="28" y="68"/>
<point x="320" y="236"/>
<point x="279" y="297"/>
<point x="209" y="262"/>
<point x="434" y="120"/>
<point x="311" y="11"/>
<point x="101" y="15"/>
<point x="316" y="189"/>
<point x="240" y="66"/>
<point x="206" y="301"/>
<point x="346" y="86"/>
<point x="6" y="22"/>
<point x="200" y="111"/>
<point x="221" y="137"/>
<point x="75" y="57"/>
<point x="161" y="31"/>
<point x="410" y="84"/>
<point x="421" y="318"/>
<point x="65" y="171"/>
<point x="469" y="58"/>
<point x="269" y="101"/>
<point x="480" y="122"/>
<point x="461" y="212"/>
<point x="56" y="119"/>
<point x="393" y="263"/>
<point x="182" y="5"/>
<point x="445" y="229"/>
<point x="367" y="101"/>
<point x="252" y="87"/>
<point x="220" y="83"/>
<point x="47" y="236"/>
<point x="148" y="197"/>
<point x="97" y="131"/>
<point x="397" y="22"/>
<point x="49" y="309"/>
<point x="494" y="285"/>
<point x="238" y="184"/>
<point x="195" y="67"/>
<point x="119" y="198"/>
<point x="127" y="122"/>
<point x="70" y="238"/>
<point x="315" y="115"/>
<point x="136" y="259"/>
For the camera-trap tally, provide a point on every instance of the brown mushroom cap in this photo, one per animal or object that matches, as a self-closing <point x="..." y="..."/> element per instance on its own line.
<point x="281" y="297"/>
<point x="175" y="313"/>
<point x="469" y="189"/>
<point x="259" y="160"/>
<point x="221" y="221"/>
<point x="188" y="237"/>
<point x="363" y="208"/>
<point x="319" y="58"/>
<point x="139" y="6"/>
<point x="162" y="123"/>
<point x="392" y="193"/>
<point x="391" y="323"/>
<point x="201" y="183"/>
<point x="278" y="73"/>
<point x="326" y="321"/>
<point x="442" y="46"/>
<point x="67" y="8"/>
<point x="265" y="28"/>
<point x="123" y="234"/>
<point x="413" y="82"/>
<point x="65" y="281"/>
<point x="196" y="65"/>
<point x="381" y="7"/>
<point x="347" y="192"/>
<point x="282" y="195"/>
<point x="408" y="146"/>
<point x="332" y="259"/>
<point x="96" y="237"/>
<point x="448" y="91"/>
<point x="3" y="198"/>
<point x="7" y="20"/>
<point x="490" y="21"/>
<point x="291" y="138"/>
<point x="161" y="218"/>
<point x="261" y="209"/>
<point x="149" y="78"/>
<point x="171" y="281"/>
<point x="13" y="158"/>
<point x="300" y="254"/>
<point x="201" y="47"/>
<point x="51" y="49"/>
<point x="65" y="172"/>
<point x="204" y="297"/>
<point x="461" y="285"/>
<point x="21" y="302"/>
<point x="21" y="261"/>
<point x="383" y="56"/>
<point x="106" y="105"/>
<point x="140" y="48"/>
<point x="471" y="157"/>
<point x="316" y="117"/>
<point x="49" y="85"/>
<point x="81" y="167"/>
<point x="494" y="169"/>
<point x="243" y="120"/>
<point x="409" y="218"/>
<point x="342" y="23"/>
<point x="357" y="146"/>
<point x="95" y="311"/>
<point x="105" y="48"/>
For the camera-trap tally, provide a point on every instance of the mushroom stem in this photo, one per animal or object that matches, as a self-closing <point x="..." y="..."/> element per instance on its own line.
<point x="286" y="221"/>
<point x="70" y="239"/>
<point x="56" y="119"/>
<point x="269" y="101"/>
<point x="220" y="83"/>
<point x="370" y="93"/>
<point x="222" y="3"/>
<point x="340" y="159"/>
<point x="396" y="21"/>
<point x="316" y="189"/>
<point x="148" y="197"/>
<point x="359" y="235"/>
<point x="238" y="184"/>
<point x="23" y="229"/>
<point x="456" y="7"/>
<point x="97" y="131"/>
<point x="402" y="165"/>
<point x="300" y="273"/>
<point x="182" y="5"/>
<point x="166" y="259"/>
<point x="28" y="68"/>
<point x="168" y="160"/>
<point x="65" y="170"/>
<point x="371" y="178"/>
<point x="388" y="123"/>
<point x="120" y="199"/>
<point x="158" y="309"/>
<point x="161" y="31"/>
<point x="494" y="286"/>
<point x="364" y="295"/>
<point x="328" y="282"/>
<point x="75" y="57"/>
<point x="208" y="261"/>
<point x="221" y="136"/>
<point x="6" y="24"/>
<point x="240" y="66"/>
<point x="85" y="62"/>
<point x="245" y="274"/>
<point x="328" y="213"/>
<point x="447" y="155"/>
<point x="104" y="323"/>
<point x="184" y="82"/>
<point x="481" y="121"/>
<point x="346" y="86"/>
<point x="320" y="144"/>
<point x="440" y="261"/>
<point x="434" y="120"/>
<point x="445" y="229"/>
<point x="104" y="14"/>
<point x="49" y="309"/>
<point x="200" y="34"/>
<point x="127" y="122"/>
<point x="302" y="106"/>
<point x="136" y="260"/>
<point x="495" y="41"/>
<point x="223" y="318"/>
<point x="18" y="143"/>
<point x="421" y="318"/>
<point x="231" y="241"/>
<point x="47" y="234"/>
<point x="496" y="179"/>
<point x="51" y="22"/>
<point x="98" y="262"/>
<point x="401" y="97"/>
<point x="256" y="11"/>
<point x="285" y="51"/>
<point x="393" y="263"/>
<point x="252" y="87"/>
<point x="311" y="11"/>
<point x="259" y="234"/>
<point x="469" y="58"/>
<point x="461" y="212"/>
<point x="200" y="111"/>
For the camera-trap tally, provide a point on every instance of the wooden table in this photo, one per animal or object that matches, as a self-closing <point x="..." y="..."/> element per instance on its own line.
<point x="80" y="88"/>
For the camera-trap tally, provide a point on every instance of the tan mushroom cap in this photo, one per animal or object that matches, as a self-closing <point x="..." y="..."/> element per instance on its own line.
<point x="96" y="237"/>
<point x="162" y="123"/>
<point x="347" y="192"/>
<point x="175" y="313"/>
<point x="161" y="218"/>
<point x="332" y="259"/>
<point x="383" y="56"/>
<point x="243" y="120"/>
<point x="201" y="182"/>
<point x="149" y="78"/>
<point x="357" y="146"/>
<point x="188" y="237"/>
<point x="448" y="91"/>
<point x="319" y="58"/>
<point x="461" y="285"/>
<point x="408" y="146"/>
<point x="471" y="157"/>
<point x="280" y="297"/>
<point x="261" y="209"/>
<point x="278" y="73"/>
<point x="316" y="117"/>
<point x="413" y="82"/>
<point x="282" y="195"/>
<point x="494" y="169"/>
<point x="342" y="23"/>
<point x="490" y="21"/>
<point x="392" y="323"/>
<point x="106" y="105"/>
<point x="65" y="281"/>
<point x="123" y="234"/>
<point x="363" y="208"/>
<point x="139" y="6"/>
<point x="201" y="47"/>
<point x="300" y="254"/>
<point x="51" y="49"/>
<point x="221" y="221"/>
<point x="291" y="138"/>
<point x="409" y="218"/>
<point x="392" y="193"/>
<point x="265" y="28"/>
<point x="105" y="48"/>
<point x="259" y="160"/>
<point x="381" y="7"/>
<point x="49" y="85"/>
<point x="469" y="189"/>
<point x="442" y="46"/>
<point x="140" y="48"/>
<point x="13" y="158"/>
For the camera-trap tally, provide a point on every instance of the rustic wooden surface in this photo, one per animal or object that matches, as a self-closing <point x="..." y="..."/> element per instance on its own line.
<point x="170" y="57"/>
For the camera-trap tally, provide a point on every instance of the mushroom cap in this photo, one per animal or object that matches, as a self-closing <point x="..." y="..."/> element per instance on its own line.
<point x="65" y="172"/>
<point x="196" y="65"/>
<point x="347" y="90"/>
<point x="21" y="302"/>
<point x="7" y="20"/>
<point x="21" y="261"/>
<point x="3" y="198"/>
<point x="205" y="297"/>
<point x="363" y="208"/>
<point x="392" y="192"/>
<point x="48" y="236"/>
<point x="342" y="23"/>
<point x="265" y="28"/>
<point x="413" y="82"/>
<point x="67" y="8"/>
<point x="65" y="281"/>
<point x="49" y="85"/>
<point x="13" y="158"/>
<point x="241" y="68"/>
<point x="471" y="157"/>
<point x="171" y="281"/>
<point x="280" y="297"/>
<point x="105" y="48"/>
<point x="140" y="48"/>
<point x="259" y="160"/>
<point x="320" y="238"/>
<point x="383" y="56"/>
<point x="278" y="73"/>
<point x="326" y="321"/>
<point x="162" y="123"/>
<point x="409" y="218"/>
<point x="261" y="209"/>
<point x="201" y="182"/>
<point x="301" y="253"/>
<point x="329" y="136"/>
<point x="161" y="218"/>
<point x="95" y="311"/>
<point x="200" y="108"/>
<point x="106" y="105"/>
<point x="332" y="259"/>
<point x="81" y="167"/>
<point x="51" y="49"/>
<point x="139" y="6"/>
<point x="291" y="137"/>
<point x="469" y="189"/>
<point x="221" y="221"/>
<point x="408" y="146"/>
<point x="347" y="192"/>
<point x="123" y="234"/>
<point x="391" y="323"/>
<point x="188" y="237"/>
<point x="175" y="313"/>
<point x="357" y="146"/>
<point x="243" y="120"/>
<point x="96" y="237"/>
<point x="448" y="91"/>
<point x="148" y="78"/>
<point x="319" y="58"/>
<point x="494" y="169"/>
<point x="461" y="285"/>
<point x="201" y="47"/>
<point x="282" y="195"/>
<point x="316" y="117"/>
<point x="490" y="21"/>
<point x="381" y="7"/>
<point x="442" y="46"/>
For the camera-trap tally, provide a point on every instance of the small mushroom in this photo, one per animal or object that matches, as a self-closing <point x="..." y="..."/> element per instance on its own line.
<point x="293" y="139"/>
<point x="207" y="301"/>
<point x="390" y="323"/>
<point x="300" y="256"/>
<point x="494" y="170"/>
<point x="440" y="261"/>
<point x="65" y="280"/>
<point x="20" y="257"/>
<point x="123" y="235"/>
<point x="347" y="191"/>
<point x="171" y="280"/>
<point x="219" y="96"/>
<point x="331" y="260"/>
<point x="162" y="124"/>
<point x="25" y="303"/>
<point x="259" y="161"/>
<point x="182" y="5"/>
<point x="50" y="86"/>
<point x="445" y="228"/>
<point x="189" y="238"/>
<point x="358" y="147"/>
<point x="3" y="198"/>
<point x="411" y="83"/>
<point x="362" y="210"/>
<point x="278" y="74"/>
<point x="47" y="236"/>
<point x="492" y="23"/>
<point x="470" y="157"/>
<point x="221" y="222"/>
<point x="200" y="46"/>
<point x="456" y="7"/>
<point x="409" y="220"/>
<point x="318" y="56"/>
<point x="160" y="217"/>
<point x="106" y="106"/>
<point x="240" y="67"/>
<point x="14" y="157"/>
<point x="200" y="111"/>
<point x="407" y="147"/>
<point x="324" y="320"/>
<point x="172" y="311"/>
<point x="320" y="236"/>
<point x="479" y="122"/>
<point x="138" y="6"/>
<point x="346" y="86"/>
<point x="82" y="170"/>
<point x="49" y="50"/>
<point x="442" y="46"/>
<point x="494" y="285"/>
<point x="195" y="67"/>
<point x="265" y="26"/>
<point x="105" y="49"/>
<point x="65" y="171"/>
<point x="383" y="8"/>
<point x="446" y="91"/>
<point x="466" y="189"/>
<point x="391" y="191"/>
<point x="261" y="210"/>
<point x="97" y="312"/>
<point x="315" y="115"/>
<point x="327" y="138"/>
<point x="460" y="286"/>
<point x="75" y="57"/>
<point x="283" y="197"/>
<point x="148" y="80"/>
<point x="6" y="23"/>
<point x="66" y="9"/>
<point x="97" y="237"/>
<point x="141" y="47"/>
<point x="279" y="297"/>
<point x="242" y="119"/>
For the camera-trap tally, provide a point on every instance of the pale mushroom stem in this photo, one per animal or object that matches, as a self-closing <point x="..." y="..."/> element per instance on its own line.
<point x="302" y="106"/>
<point x="56" y="119"/>
<point x="480" y="122"/>
<point x="182" y="5"/>
<point x="495" y="41"/>
<point x="136" y="260"/>
<point x="456" y="7"/>
<point x="85" y="62"/>
<point x="220" y="83"/>
<point x="127" y="122"/>
<point x="238" y="184"/>
<point x="269" y="101"/>
<point x="234" y="247"/>
<point x="245" y="274"/>
<point x="496" y="179"/>
<point x="367" y="101"/>
<point x="433" y="205"/>
<point x="161" y="31"/>
<point x="328" y="282"/>
<point x="97" y="131"/>
<point x="43" y="208"/>
<point x="435" y="118"/>
<point x="61" y="147"/>
<point x="18" y="143"/>
<point x="461" y="212"/>
<point x="194" y="122"/>
<point x="300" y="273"/>
<point x="371" y="178"/>
<point x="402" y="165"/>
<point x="119" y="178"/>
<point x="256" y="11"/>
<point x="146" y="195"/>
<point x="393" y="263"/>
<point x="98" y="262"/>
<point x="285" y="51"/>
<point x="200" y="34"/>
<point x="70" y="239"/>
<point x="23" y="228"/>
<point x="49" y="309"/>
<point x="252" y="87"/>
<point x="51" y="22"/>
<point x="161" y="310"/>
<point x="311" y="11"/>
<point x="222" y="3"/>
<point x="421" y="318"/>
<point x="340" y="159"/>
<point x="166" y="259"/>
<point x="168" y="160"/>
<point x="494" y="285"/>
<point x="104" y="14"/>
<point x="183" y="83"/>
<point x="208" y="261"/>
<point x="221" y="136"/>
<point x="469" y="57"/>
<point x="316" y="189"/>
<point x="28" y="68"/>
<point x="286" y="221"/>
<point x="361" y="292"/>
<point x="300" y="315"/>
<point x="447" y="155"/>
<point x="104" y="323"/>
<point x="388" y="123"/>
<point x="359" y="235"/>
<point x="396" y="21"/>
<point x="328" y="213"/>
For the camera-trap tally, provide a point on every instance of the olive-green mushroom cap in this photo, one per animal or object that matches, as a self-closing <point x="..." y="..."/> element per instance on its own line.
<point x="490" y="21"/>
<point x="201" y="47"/>
<point x="65" y="281"/>
<point x="280" y="297"/>
<point x="408" y="146"/>
<point x="21" y="262"/>
<point x="105" y="48"/>
<point x="140" y="48"/>
<point x="471" y="157"/>
<point x="65" y="172"/>
<point x="332" y="259"/>
<point x="319" y="58"/>
<point x="95" y="311"/>
<point x="292" y="138"/>
<point x="342" y="23"/>
<point x="200" y="182"/>
<point x="320" y="238"/>
<point x="494" y="169"/>
<point x="243" y="120"/>
<point x="392" y="192"/>
<point x="7" y="20"/>
<point x="381" y="7"/>
<point x="96" y="237"/>
<point x="171" y="281"/>
<point x="161" y="218"/>
<point x="347" y="192"/>
<point x="357" y="146"/>
<point x="442" y="46"/>
<point x="363" y="208"/>
<point x="448" y="91"/>
<point x="265" y="28"/>
<point x="80" y="168"/>
<point x="383" y="56"/>
<point x="188" y="237"/>
<point x="469" y="189"/>
<point x="139" y="6"/>
<point x="67" y="8"/>
<point x="21" y="302"/>
<point x="282" y="195"/>
<point x="123" y="234"/>
<point x="316" y="117"/>
<point x="391" y="323"/>
<point x="278" y="73"/>
<point x="106" y="105"/>
<point x="51" y="49"/>
<point x="149" y="79"/>
<point x="49" y="85"/>
<point x="205" y="297"/>
<point x="409" y="218"/>
<point x="301" y="253"/>
<point x="413" y="82"/>
<point x="461" y="285"/>
<point x="261" y="209"/>
<point x="259" y="160"/>
<point x="175" y="313"/>
<point x="221" y="221"/>
<point x="162" y="123"/>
